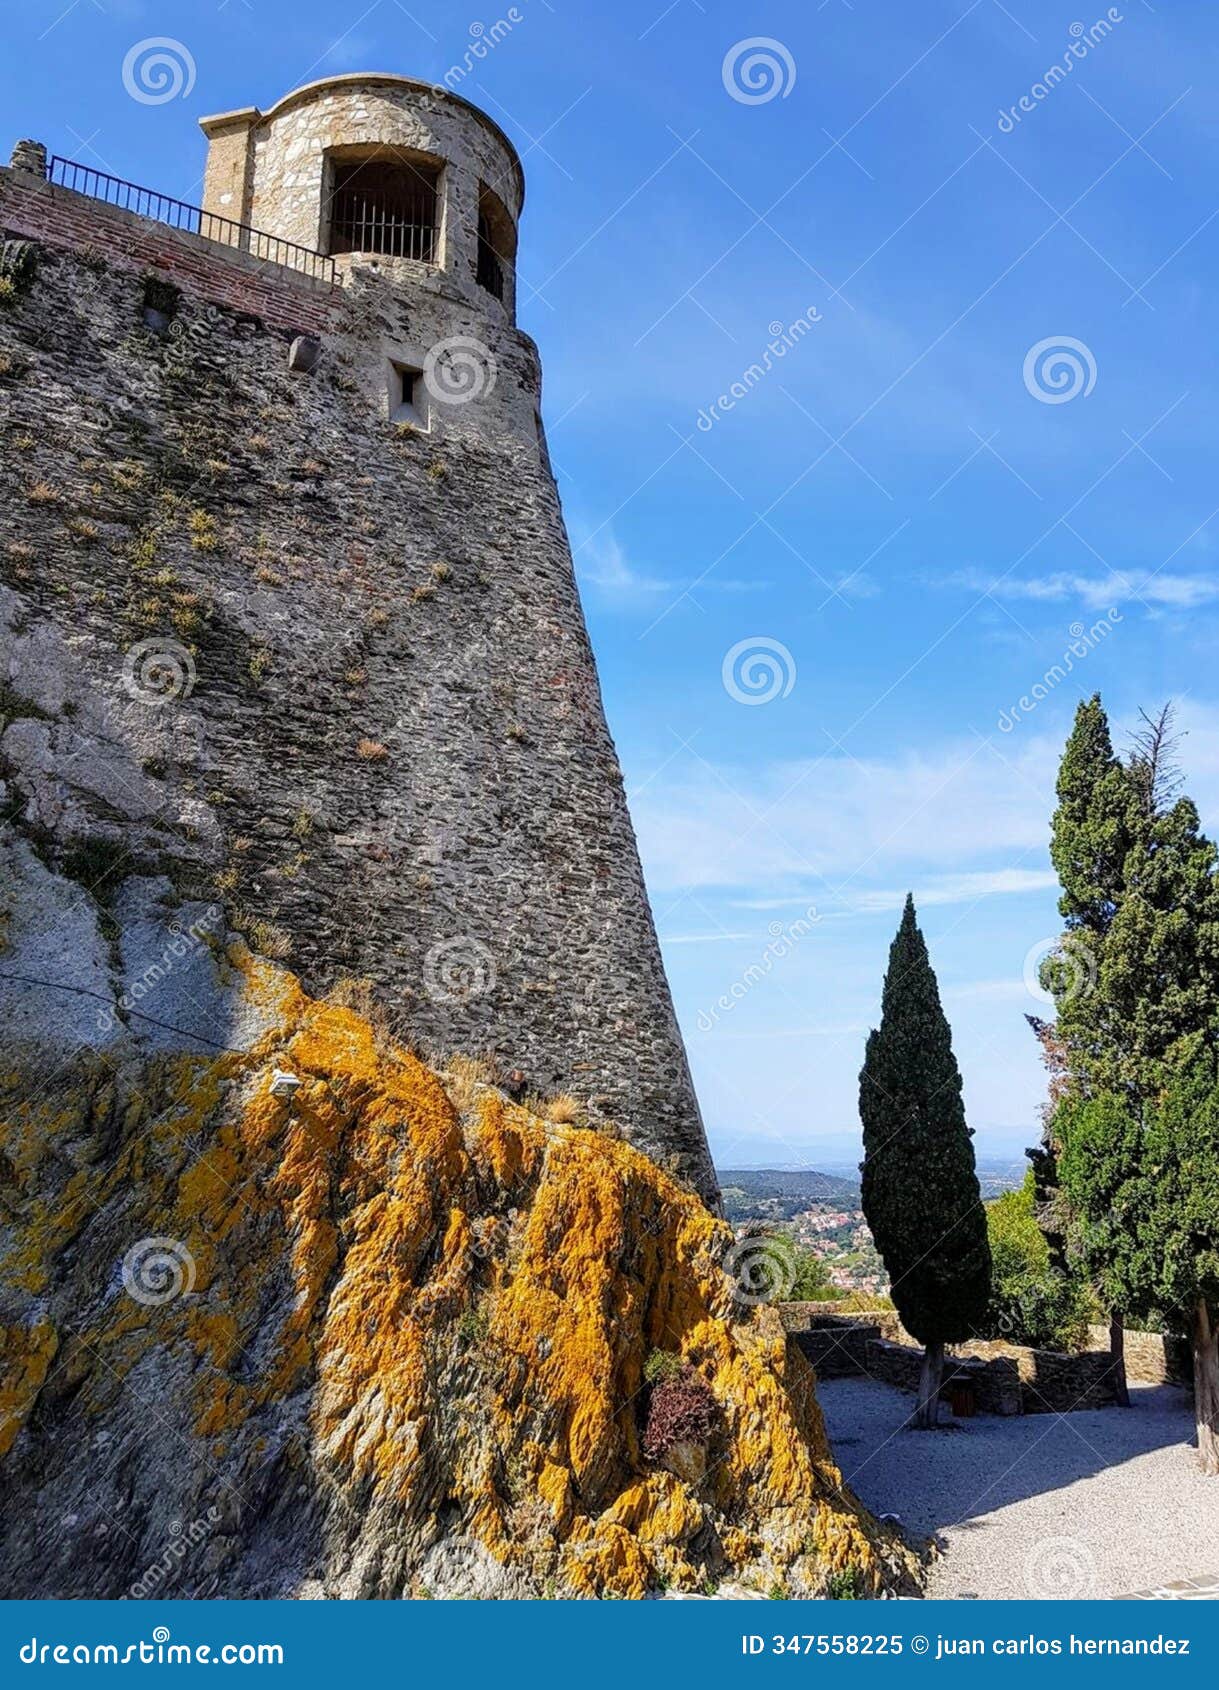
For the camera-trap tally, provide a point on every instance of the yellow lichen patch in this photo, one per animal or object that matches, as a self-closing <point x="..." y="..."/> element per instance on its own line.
<point x="26" y="1354"/>
<point x="441" y="1313"/>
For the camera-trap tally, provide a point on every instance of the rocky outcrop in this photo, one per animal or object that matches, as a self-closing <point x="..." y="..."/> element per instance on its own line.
<point x="304" y="1317"/>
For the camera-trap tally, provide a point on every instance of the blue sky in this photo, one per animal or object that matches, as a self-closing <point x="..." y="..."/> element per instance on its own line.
<point x="903" y="514"/>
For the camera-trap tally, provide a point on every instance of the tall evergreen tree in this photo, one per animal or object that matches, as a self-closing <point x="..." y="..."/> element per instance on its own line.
<point x="1131" y="1143"/>
<point x="920" y="1189"/>
<point x="1094" y="827"/>
<point x="1143" y="1184"/>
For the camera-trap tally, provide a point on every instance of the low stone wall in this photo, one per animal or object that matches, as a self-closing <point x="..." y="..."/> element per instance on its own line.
<point x="1052" y="1382"/>
<point x="807" y="1317"/>
<point x="836" y="1349"/>
<point x="994" y="1384"/>
<point x="1002" y="1378"/>
<point x="1152" y="1358"/>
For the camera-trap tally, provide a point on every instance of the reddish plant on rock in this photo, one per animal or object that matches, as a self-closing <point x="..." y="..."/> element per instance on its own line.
<point x="682" y="1410"/>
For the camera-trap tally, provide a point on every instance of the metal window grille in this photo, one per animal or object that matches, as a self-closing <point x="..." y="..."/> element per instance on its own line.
<point x="387" y="207"/>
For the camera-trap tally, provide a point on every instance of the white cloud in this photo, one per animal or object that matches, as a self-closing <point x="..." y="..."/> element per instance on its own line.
<point x="602" y="563"/>
<point x="834" y="825"/>
<point x="960" y="888"/>
<point x="1094" y="592"/>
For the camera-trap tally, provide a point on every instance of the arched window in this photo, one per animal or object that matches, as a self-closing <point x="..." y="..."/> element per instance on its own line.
<point x="496" y="242"/>
<point x="383" y="202"/>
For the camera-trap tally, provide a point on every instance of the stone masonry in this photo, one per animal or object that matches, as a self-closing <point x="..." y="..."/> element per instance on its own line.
<point x="288" y="619"/>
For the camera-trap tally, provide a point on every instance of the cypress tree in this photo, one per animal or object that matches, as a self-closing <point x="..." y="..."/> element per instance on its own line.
<point x="920" y="1190"/>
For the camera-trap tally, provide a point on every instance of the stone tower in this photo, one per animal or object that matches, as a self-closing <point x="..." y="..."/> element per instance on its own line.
<point x="288" y="607"/>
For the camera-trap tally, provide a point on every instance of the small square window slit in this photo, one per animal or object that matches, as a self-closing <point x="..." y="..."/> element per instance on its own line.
<point x="407" y="395"/>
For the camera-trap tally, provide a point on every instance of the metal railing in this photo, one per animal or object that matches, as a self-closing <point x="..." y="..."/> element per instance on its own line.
<point x="191" y="219"/>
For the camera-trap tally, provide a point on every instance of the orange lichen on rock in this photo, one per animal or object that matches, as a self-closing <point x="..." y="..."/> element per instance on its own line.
<point x="26" y="1355"/>
<point x="437" y="1318"/>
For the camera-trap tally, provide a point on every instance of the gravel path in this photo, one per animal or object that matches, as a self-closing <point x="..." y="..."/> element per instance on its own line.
<point x="1102" y="1503"/>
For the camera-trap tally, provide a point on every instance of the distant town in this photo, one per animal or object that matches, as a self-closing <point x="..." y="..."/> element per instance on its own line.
<point x="821" y="1213"/>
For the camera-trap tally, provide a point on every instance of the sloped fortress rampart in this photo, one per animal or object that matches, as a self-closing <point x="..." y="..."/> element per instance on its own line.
<point x="288" y="612"/>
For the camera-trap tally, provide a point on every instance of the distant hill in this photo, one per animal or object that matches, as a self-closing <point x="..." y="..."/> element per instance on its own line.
<point x="778" y="1194"/>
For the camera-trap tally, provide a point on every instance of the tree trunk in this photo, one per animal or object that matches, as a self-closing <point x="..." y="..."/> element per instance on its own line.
<point x="1206" y="1387"/>
<point x="927" y="1414"/>
<point x="1117" y="1350"/>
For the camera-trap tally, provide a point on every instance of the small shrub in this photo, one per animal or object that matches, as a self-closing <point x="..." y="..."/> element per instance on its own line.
<point x="302" y="822"/>
<point x="42" y="493"/>
<point x="372" y="751"/>
<point x="661" y="1365"/>
<point x="441" y="572"/>
<point x="438" y="469"/>
<point x="682" y="1410"/>
<point x="472" y="1326"/>
<point x="844" y="1585"/>
<point x="203" y="536"/>
<point x="565" y="1111"/>
<point x="420" y="595"/>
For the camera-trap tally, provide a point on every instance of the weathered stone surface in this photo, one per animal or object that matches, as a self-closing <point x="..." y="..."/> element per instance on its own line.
<point x="385" y="1337"/>
<point x="383" y="749"/>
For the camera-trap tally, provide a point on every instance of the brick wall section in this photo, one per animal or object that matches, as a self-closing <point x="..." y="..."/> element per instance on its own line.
<point x="280" y="297"/>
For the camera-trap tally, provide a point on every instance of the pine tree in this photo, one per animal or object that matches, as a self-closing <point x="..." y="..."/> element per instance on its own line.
<point x="920" y="1190"/>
